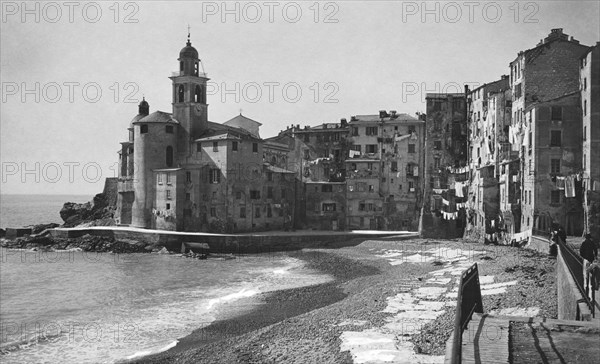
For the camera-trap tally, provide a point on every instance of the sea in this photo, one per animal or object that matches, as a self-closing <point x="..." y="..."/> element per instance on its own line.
<point x="82" y="307"/>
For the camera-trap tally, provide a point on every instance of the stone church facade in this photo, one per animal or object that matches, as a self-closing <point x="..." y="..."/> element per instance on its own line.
<point x="179" y="171"/>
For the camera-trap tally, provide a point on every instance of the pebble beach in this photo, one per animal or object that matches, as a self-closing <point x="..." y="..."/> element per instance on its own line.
<point x="390" y="301"/>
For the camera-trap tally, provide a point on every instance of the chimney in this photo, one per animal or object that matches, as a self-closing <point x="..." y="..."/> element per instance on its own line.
<point x="504" y="77"/>
<point x="298" y="126"/>
<point x="343" y="122"/>
<point x="383" y="114"/>
<point x="353" y="118"/>
<point x="324" y="126"/>
<point x="393" y="114"/>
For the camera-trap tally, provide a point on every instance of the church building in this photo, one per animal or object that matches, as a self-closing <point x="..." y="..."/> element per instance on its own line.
<point x="179" y="171"/>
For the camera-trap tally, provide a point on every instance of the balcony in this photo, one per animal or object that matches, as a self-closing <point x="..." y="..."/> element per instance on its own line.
<point x="180" y="73"/>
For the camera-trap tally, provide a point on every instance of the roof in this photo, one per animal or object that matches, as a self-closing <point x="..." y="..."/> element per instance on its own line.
<point x="276" y="169"/>
<point x="224" y="136"/>
<point x="553" y="37"/>
<point x="400" y="118"/>
<point x="217" y="129"/>
<point x="242" y="122"/>
<point x="137" y="118"/>
<point x="443" y="96"/>
<point x="158" y="117"/>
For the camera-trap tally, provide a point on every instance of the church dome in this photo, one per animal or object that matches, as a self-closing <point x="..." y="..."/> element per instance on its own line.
<point x="188" y="51"/>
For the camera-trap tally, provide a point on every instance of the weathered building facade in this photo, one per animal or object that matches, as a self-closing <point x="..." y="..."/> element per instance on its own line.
<point x="488" y="120"/>
<point x="543" y="81"/>
<point x="589" y="84"/>
<point x="446" y="169"/>
<point x="384" y="171"/>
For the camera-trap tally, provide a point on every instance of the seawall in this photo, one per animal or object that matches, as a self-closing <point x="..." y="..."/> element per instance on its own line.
<point x="236" y="243"/>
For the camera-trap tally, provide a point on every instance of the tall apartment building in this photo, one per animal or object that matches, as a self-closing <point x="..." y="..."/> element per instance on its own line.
<point x="546" y="130"/>
<point x="488" y="124"/>
<point x="589" y="84"/>
<point x="446" y="169"/>
<point x="384" y="171"/>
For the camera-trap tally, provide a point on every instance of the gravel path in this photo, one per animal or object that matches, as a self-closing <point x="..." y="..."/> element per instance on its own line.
<point x="309" y="324"/>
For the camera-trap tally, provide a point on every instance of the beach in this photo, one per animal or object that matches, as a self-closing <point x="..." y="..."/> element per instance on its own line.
<point x="390" y="301"/>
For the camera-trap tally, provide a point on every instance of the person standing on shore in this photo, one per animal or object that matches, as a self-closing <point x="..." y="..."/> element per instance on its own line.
<point x="589" y="252"/>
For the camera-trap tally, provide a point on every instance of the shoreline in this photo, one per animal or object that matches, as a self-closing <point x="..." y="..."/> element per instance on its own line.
<point x="276" y="307"/>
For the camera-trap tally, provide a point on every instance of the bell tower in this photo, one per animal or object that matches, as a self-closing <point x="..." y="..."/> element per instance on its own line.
<point x="189" y="95"/>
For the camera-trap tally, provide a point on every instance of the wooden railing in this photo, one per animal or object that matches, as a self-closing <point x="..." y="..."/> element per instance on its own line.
<point x="468" y="301"/>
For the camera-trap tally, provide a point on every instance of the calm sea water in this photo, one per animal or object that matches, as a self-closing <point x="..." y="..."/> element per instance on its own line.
<point x="22" y="210"/>
<point x="77" y="307"/>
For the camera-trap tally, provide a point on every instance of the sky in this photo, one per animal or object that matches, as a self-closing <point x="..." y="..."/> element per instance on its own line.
<point x="72" y="73"/>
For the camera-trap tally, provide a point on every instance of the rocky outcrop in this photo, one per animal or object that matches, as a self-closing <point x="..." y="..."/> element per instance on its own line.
<point x="87" y="243"/>
<point x="98" y="212"/>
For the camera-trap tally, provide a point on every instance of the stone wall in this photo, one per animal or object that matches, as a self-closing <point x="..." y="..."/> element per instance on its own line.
<point x="568" y="294"/>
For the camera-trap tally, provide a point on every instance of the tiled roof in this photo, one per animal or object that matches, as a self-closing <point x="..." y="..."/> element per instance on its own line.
<point x="375" y="118"/>
<point x="158" y="117"/>
<point x="223" y="136"/>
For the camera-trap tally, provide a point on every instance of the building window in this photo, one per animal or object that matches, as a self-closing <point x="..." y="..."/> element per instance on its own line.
<point x="169" y="156"/>
<point x="215" y="175"/>
<point x="254" y="147"/>
<point x="411" y="186"/>
<point x="143" y="128"/>
<point x="326" y="188"/>
<point x="436" y="163"/>
<point x="238" y="195"/>
<point x="213" y="212"/>
<point x="257" y="212"/>
<point x="556" y="113"/>
<point x="168" y="178"/>
<point x="188" y="196"/>
<point x="180" y="93"/>
<point x="371" y="148"/>
<point x="555" y="197"/>
<point x="270" y="176"/>
<point x="269" y="211"/>
<point x="283" y="194"/>
<point x="255" y="195"/>
<point x="234" y="146"/>
<point x="188" y="176"/>
<point x="372" y="130"/>
<point x="169" y="129"/>
<point x="584" y="107"/>
<point x="168" y="206"/>
<point x="159" y="178"/>
<point x="555" y="138"/>
<point x="169" y="197"/>
<point x="371" y="188"/>
<point x="243" y="212"/>
<point x="269" y="192"/>
<point x="585" y="132"/>
<point x="394" y="167"/>
<point x="411" y="129"/>
<point x="215" y="146"/>
<point x="555" y="166"/>
<point x="437" y="145"/>
<point x="198" y="147"/>
<point x="411" y="148"/>
<point x="328" y="207"/>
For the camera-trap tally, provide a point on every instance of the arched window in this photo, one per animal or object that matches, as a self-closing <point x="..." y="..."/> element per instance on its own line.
<point x="181" y="66"/>
<point x="180" y="93"/>
<point x="196" y="68"/>
<point x="169" y="155"/>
